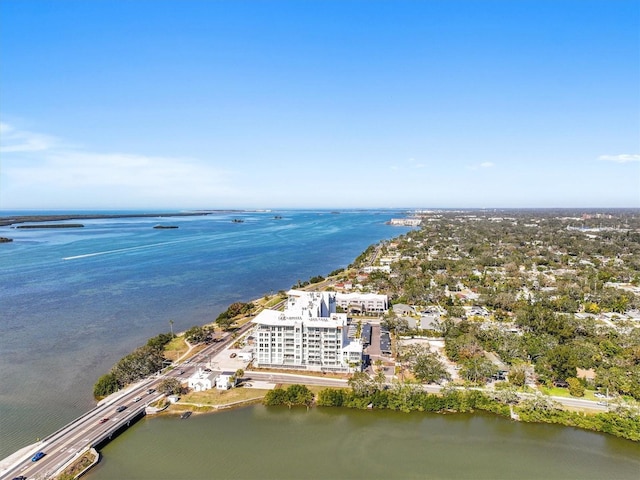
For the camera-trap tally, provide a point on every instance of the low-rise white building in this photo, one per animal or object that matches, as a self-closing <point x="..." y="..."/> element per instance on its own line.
<point x="246" y="354"/>
<point x="225" y="381"/>
<point x="201" y="380"/>
<point x="377" y="268"/>
<point x="362" y="302"/>
<point x="308" y="335"/>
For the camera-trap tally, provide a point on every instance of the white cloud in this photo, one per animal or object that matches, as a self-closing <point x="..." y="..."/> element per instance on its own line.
<point x="416" y="164"/>
<point x="59" y="173"/>
<point x="150" y="175"/>
<point x="623" y="158"/>
<point x="12" y="140"/>
<point x="482" y="165"/>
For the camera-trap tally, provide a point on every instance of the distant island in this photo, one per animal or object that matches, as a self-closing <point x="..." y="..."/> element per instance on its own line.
<point x="5" y="221"/>
<point x="237" y="220"/>
<point x="52" y="225"/>
<point x="5" y="240"/>
<point x="165" y="227"/>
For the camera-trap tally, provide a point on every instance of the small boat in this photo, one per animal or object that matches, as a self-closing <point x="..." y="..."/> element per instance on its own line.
<point x="237" y="220"/>
<point x="185" y="415"/>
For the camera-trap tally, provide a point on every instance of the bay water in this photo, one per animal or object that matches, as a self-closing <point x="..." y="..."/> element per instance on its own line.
<point x="74" y="301"/>
<point x="338" y="443"/>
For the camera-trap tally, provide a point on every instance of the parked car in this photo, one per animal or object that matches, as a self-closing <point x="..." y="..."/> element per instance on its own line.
<point x="121" y="408"/>
<point x="37" y="456"/>
<point x="233" y="355"/>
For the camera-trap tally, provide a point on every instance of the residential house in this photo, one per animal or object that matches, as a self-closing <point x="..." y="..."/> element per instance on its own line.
<point x="225" y="381"/>
<point x="201" y="380"/>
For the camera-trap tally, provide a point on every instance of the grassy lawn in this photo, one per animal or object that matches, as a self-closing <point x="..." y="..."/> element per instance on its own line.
<point x="216" y="397"/>
<point x="274" y="301"/>
<point x="555" y="391"/>
<point x="175" y="348"/>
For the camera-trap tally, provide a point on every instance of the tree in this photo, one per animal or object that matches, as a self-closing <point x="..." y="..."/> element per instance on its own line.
<point x="140" y="363"/>
<point x="362" y="384"/>
<point x="518" y="375"/>
<point x="298" y="395"/>
<point x="380" y="379"/>
<point x="106" y="385"/>
<point x="224" y="321"/>
<point x="195" y="334"/>
<point x="276" y="396"/>
<point x="239" y="373"/>
<point x="170" y="386"/>
<point x="429" y="369"/>
<point x="159" y="341"/>
<point x="562" y="360"/>
<point x="331" y="397"/>
<point x="477" y="369"/>
<point x="293" y="395"/>
<point x="576" y="389"/>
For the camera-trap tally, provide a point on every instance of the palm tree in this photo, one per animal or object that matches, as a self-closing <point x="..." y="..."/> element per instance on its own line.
<point x="171" y="325"/>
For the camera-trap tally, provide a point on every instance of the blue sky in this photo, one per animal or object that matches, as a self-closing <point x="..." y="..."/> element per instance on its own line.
<point x="335" y="104"/>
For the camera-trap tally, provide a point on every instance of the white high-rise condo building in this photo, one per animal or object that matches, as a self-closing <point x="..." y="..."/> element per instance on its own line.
<point x="308" y="335"/>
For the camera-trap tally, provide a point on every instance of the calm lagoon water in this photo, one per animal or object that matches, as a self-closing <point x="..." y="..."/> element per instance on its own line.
<point x="327" y="443"/>
<point x="74" y="301"/>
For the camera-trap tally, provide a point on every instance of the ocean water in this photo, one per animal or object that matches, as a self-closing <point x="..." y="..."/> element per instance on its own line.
<point x="74" y="301"/>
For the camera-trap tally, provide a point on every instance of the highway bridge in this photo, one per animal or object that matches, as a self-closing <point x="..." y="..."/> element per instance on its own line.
<point x="101" y="423"/>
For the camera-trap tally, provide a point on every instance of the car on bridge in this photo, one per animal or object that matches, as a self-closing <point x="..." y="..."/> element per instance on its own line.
<point x="103" y="420"/>
<point x="121" y="408"/>
<point x="37" y="456"/>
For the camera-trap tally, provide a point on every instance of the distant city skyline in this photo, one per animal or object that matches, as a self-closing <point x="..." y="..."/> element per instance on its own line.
<point x="319" y="104"/>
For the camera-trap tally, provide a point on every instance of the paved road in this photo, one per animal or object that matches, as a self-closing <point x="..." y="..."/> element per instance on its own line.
<point x="581" y="403"/>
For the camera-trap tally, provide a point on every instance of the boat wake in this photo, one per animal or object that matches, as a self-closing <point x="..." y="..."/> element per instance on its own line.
<point x="121" y="250"/>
